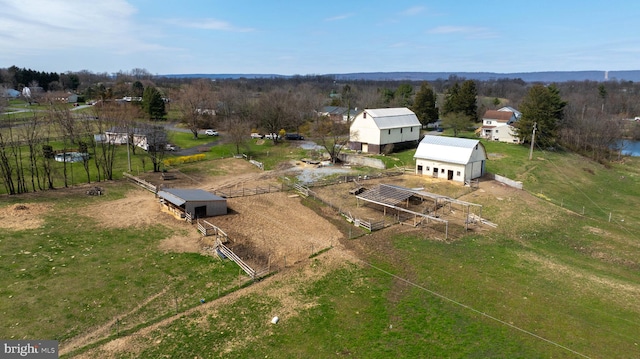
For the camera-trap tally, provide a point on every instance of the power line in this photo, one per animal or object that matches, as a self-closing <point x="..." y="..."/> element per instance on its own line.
<point x="573" y="184"/>
<point x="441" y="296"/>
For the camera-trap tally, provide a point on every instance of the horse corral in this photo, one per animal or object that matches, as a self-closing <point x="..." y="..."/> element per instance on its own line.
<point x="270" y="231"/>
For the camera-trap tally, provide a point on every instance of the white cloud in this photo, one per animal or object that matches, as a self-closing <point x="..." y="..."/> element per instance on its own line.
<point x="339" y="17"/>
<point x="208" y="24"/>
<point x="468" y="31"/>
<point x="413" y="10"/>
<point x="35" y="27"/>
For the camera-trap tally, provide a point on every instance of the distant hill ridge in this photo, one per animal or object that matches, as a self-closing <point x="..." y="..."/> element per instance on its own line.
<point x="544" y="76"/>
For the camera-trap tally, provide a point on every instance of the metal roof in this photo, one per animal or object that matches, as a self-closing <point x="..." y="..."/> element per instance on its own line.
<point x="446" y="149"/>
<point x="386" y="195"/>
<point x="179" y="196"/>
<point x="387" y="118"/>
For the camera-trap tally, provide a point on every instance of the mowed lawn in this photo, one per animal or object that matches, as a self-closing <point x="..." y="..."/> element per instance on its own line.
<point x="559" y="277"/>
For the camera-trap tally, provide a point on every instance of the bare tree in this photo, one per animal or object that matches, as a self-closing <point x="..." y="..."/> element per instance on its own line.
<point x="8" y="168"/>
<point x="63" y="119"/>
<point x="332" y="134"/>
<point x="107" y="116"/>
<point x="273" y="110"/>
<point x="196" y="105"/>
<point x="32" y="131"/>
<point x="305" y="101"/>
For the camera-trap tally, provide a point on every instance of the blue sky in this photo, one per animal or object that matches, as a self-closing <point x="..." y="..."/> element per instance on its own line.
<point x="319" y="37"/>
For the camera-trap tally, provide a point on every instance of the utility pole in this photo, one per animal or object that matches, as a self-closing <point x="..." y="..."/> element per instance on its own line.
<point x="533" y="139"/>
<point x="128" y="154"/>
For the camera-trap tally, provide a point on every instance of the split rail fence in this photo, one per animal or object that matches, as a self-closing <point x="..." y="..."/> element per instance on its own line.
<point x="140" y="182"/>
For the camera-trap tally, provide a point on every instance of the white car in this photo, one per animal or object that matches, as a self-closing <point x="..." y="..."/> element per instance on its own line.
<point x="211" y="133"/>
<point x="256" y="135"/>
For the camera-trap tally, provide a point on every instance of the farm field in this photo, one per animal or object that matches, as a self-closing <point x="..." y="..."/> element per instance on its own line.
<point x="114" y="277"/>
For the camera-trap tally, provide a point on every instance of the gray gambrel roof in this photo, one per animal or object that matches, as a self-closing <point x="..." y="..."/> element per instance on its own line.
<point x="447" y="149"/>
<point x="388" y="118"/>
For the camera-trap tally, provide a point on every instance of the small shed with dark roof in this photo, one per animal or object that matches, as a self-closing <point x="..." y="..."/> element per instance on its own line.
<point x="197" y="202"/>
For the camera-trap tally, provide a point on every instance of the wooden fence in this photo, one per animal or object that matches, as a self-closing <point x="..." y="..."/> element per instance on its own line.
<point x="242" y="192"/>
<point x="209" y="229"/>
<point x="368" y="225"/>
<point x="142" y="183"/>
<point x="371" y="226"/>
<point x="227" y="252"/>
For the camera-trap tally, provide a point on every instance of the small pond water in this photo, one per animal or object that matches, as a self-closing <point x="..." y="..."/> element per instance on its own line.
<point x="630" y="148"/>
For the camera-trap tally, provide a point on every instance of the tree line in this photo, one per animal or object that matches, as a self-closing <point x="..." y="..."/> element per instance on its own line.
<point x="587" y="117"/>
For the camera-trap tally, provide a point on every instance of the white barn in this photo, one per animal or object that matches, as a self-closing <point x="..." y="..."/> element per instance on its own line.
<point x="455" y="159"/>
<point x="373" y="129"/>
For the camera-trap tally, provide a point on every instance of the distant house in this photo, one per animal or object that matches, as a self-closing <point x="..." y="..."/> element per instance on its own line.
<point x="198" y="203"/>
<point x="337" y="113"/>
<point x="373" y="129"/>
<point x="451" y="158"/>
<point x="497" y="125"/>
<point x="144" y="137"/>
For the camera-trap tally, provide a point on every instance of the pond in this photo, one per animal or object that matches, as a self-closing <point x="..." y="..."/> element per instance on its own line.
<point x="630" y="148"/>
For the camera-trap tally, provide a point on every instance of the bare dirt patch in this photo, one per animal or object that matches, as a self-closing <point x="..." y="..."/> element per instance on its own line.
<point x="23" y="215"/>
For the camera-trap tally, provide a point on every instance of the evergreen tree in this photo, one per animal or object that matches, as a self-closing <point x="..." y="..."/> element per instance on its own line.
<point x="404" y="95"/>
<point x="468" y="100"/>
<point x="451" y="100"/>
<point x="543" y="107"/>
<point x="137" y="89"/>
<point x="153" y="104"/>
<point x="425" y="105"/>
<point x="462" y="99"/>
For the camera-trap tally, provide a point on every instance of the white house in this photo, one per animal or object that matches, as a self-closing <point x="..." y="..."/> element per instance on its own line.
<point x="456" y="159"/>
<point x="497" y="125"/>
<point x="373" y="129"/>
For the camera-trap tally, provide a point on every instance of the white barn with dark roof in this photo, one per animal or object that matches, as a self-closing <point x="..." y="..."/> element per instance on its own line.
<point x="451" y="158"/>
<point x="197" y="202"/>
<point x="372" y="129"/>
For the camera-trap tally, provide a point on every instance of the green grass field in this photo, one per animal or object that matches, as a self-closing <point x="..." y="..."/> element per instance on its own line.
<point x="558" y="278"/>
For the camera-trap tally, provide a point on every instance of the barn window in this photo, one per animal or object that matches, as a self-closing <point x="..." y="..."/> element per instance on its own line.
<point x="427" y="168"/>
<point x="476" y="147"/>
<point x="496" y="131"/>
<point x="458" y="173"/>
<point x="442" y="170"/>
<point x="364" y="115"/>
<point x="411" y="129"/>
<point x="400" y="130"/>
<point x="389" y="131"/>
